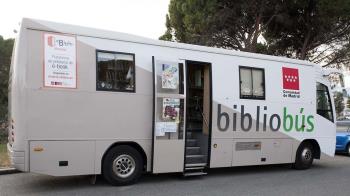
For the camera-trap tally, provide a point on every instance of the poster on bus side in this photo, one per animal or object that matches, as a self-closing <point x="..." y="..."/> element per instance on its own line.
<point x="171" y="109"/>
<point x="166" y="127"/>
<point x="170" y="76"/>
<point x="60" y="66"/>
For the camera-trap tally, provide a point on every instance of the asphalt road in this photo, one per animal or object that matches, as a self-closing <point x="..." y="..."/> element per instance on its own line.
<point x="329" y="176"/>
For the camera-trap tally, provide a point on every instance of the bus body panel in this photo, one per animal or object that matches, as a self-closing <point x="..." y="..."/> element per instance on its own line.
<point x="18" y="149"/>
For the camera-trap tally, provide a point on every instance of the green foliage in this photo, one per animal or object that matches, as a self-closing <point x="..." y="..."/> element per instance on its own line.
<point x="168" y="33"/>
<point x="4" y="159"/>
<point x="339" y="103"/>
<point x="348" y="103"/>
<point x="188" y="19"/>
<point x="6" y="47"/>
<point x="315" y="30"/>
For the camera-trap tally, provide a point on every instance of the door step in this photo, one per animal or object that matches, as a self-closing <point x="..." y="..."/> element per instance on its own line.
<point x="194" y="168"/>
<point x="191" y="143"/>
<point x="189" y="135"/>
<point x="193" y="129"/>
<point x="193" y="147"/>
<point x="193" y="150"/>
<point x="195" y="156"/>
<point x="195" y="165"/>
<point x="188" y="174"/>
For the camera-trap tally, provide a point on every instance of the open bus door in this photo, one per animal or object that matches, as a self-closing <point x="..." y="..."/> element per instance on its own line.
<point x="169" y="114"/>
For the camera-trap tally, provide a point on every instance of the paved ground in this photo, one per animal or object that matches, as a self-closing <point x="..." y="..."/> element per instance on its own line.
<point x="327" y="177"/>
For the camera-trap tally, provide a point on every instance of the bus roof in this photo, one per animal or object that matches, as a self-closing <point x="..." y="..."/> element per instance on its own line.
<point x="42" y="25"/>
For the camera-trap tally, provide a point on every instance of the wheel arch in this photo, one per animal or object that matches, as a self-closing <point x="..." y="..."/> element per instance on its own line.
<point x="134" y="145"/>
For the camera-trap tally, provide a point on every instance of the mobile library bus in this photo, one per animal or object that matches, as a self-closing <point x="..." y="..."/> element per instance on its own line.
<point x="84" y="101"/>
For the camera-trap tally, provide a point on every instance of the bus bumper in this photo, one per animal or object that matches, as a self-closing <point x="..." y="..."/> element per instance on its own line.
<point x="16" y="158"/>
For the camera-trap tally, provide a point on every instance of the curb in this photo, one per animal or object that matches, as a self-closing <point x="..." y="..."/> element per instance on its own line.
<point x="4" y="171"/>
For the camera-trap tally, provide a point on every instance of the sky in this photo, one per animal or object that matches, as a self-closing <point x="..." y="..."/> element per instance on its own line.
<point x="139" y="17"/>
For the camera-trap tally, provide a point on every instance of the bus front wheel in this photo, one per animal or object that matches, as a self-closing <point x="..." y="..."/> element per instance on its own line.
<point x="122" y="165"/>
<point x="304" y="156"/>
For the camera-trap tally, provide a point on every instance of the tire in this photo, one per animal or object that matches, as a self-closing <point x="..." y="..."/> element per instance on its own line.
<point x="347" y="149"/>
<point x="304" y="156"/>
<point x="122" y="165"/>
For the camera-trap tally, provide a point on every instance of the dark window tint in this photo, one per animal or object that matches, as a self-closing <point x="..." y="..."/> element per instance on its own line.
<point x="115" y="72"/>
<point x="324" y="106"/>
<point x="252" y="83"/>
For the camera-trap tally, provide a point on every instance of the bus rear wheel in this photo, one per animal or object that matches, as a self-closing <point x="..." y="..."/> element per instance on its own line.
<point x="122" y="165"/>
<point x="304" y="156"/>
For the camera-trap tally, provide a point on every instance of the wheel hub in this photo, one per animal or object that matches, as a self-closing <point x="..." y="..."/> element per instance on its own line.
<point x="124" y="166"/>
<point x="306" y="155"/>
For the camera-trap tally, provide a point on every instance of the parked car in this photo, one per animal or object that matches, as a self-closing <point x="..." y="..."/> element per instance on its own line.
<point x="343" y="137"/>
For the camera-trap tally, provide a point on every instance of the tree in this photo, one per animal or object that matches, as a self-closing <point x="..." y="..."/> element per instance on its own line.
<point x="339" y="103"/>
<point x="348" y="103"/>
<point x="238" y="24"/>
<point x="5" y="61"/>
<point x="315" y="30"/>
<point x="221" y="23"/>
<point x="188" y="21"/>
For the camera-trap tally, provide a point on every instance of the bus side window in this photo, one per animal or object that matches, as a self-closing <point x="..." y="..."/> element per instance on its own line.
<point x="324" y="105"/>
<point x="252" y="82"/>
<point x="115" y="71"/>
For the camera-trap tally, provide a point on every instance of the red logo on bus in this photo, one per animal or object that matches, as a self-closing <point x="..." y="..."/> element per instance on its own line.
<point x="290" y="78"/>
<point x="50" y="41"/>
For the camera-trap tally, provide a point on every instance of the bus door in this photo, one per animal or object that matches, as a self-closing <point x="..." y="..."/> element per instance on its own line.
<point x="168" y="116"/>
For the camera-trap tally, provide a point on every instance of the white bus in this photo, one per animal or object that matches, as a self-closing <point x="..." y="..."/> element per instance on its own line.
<point x="86" y="102"/>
